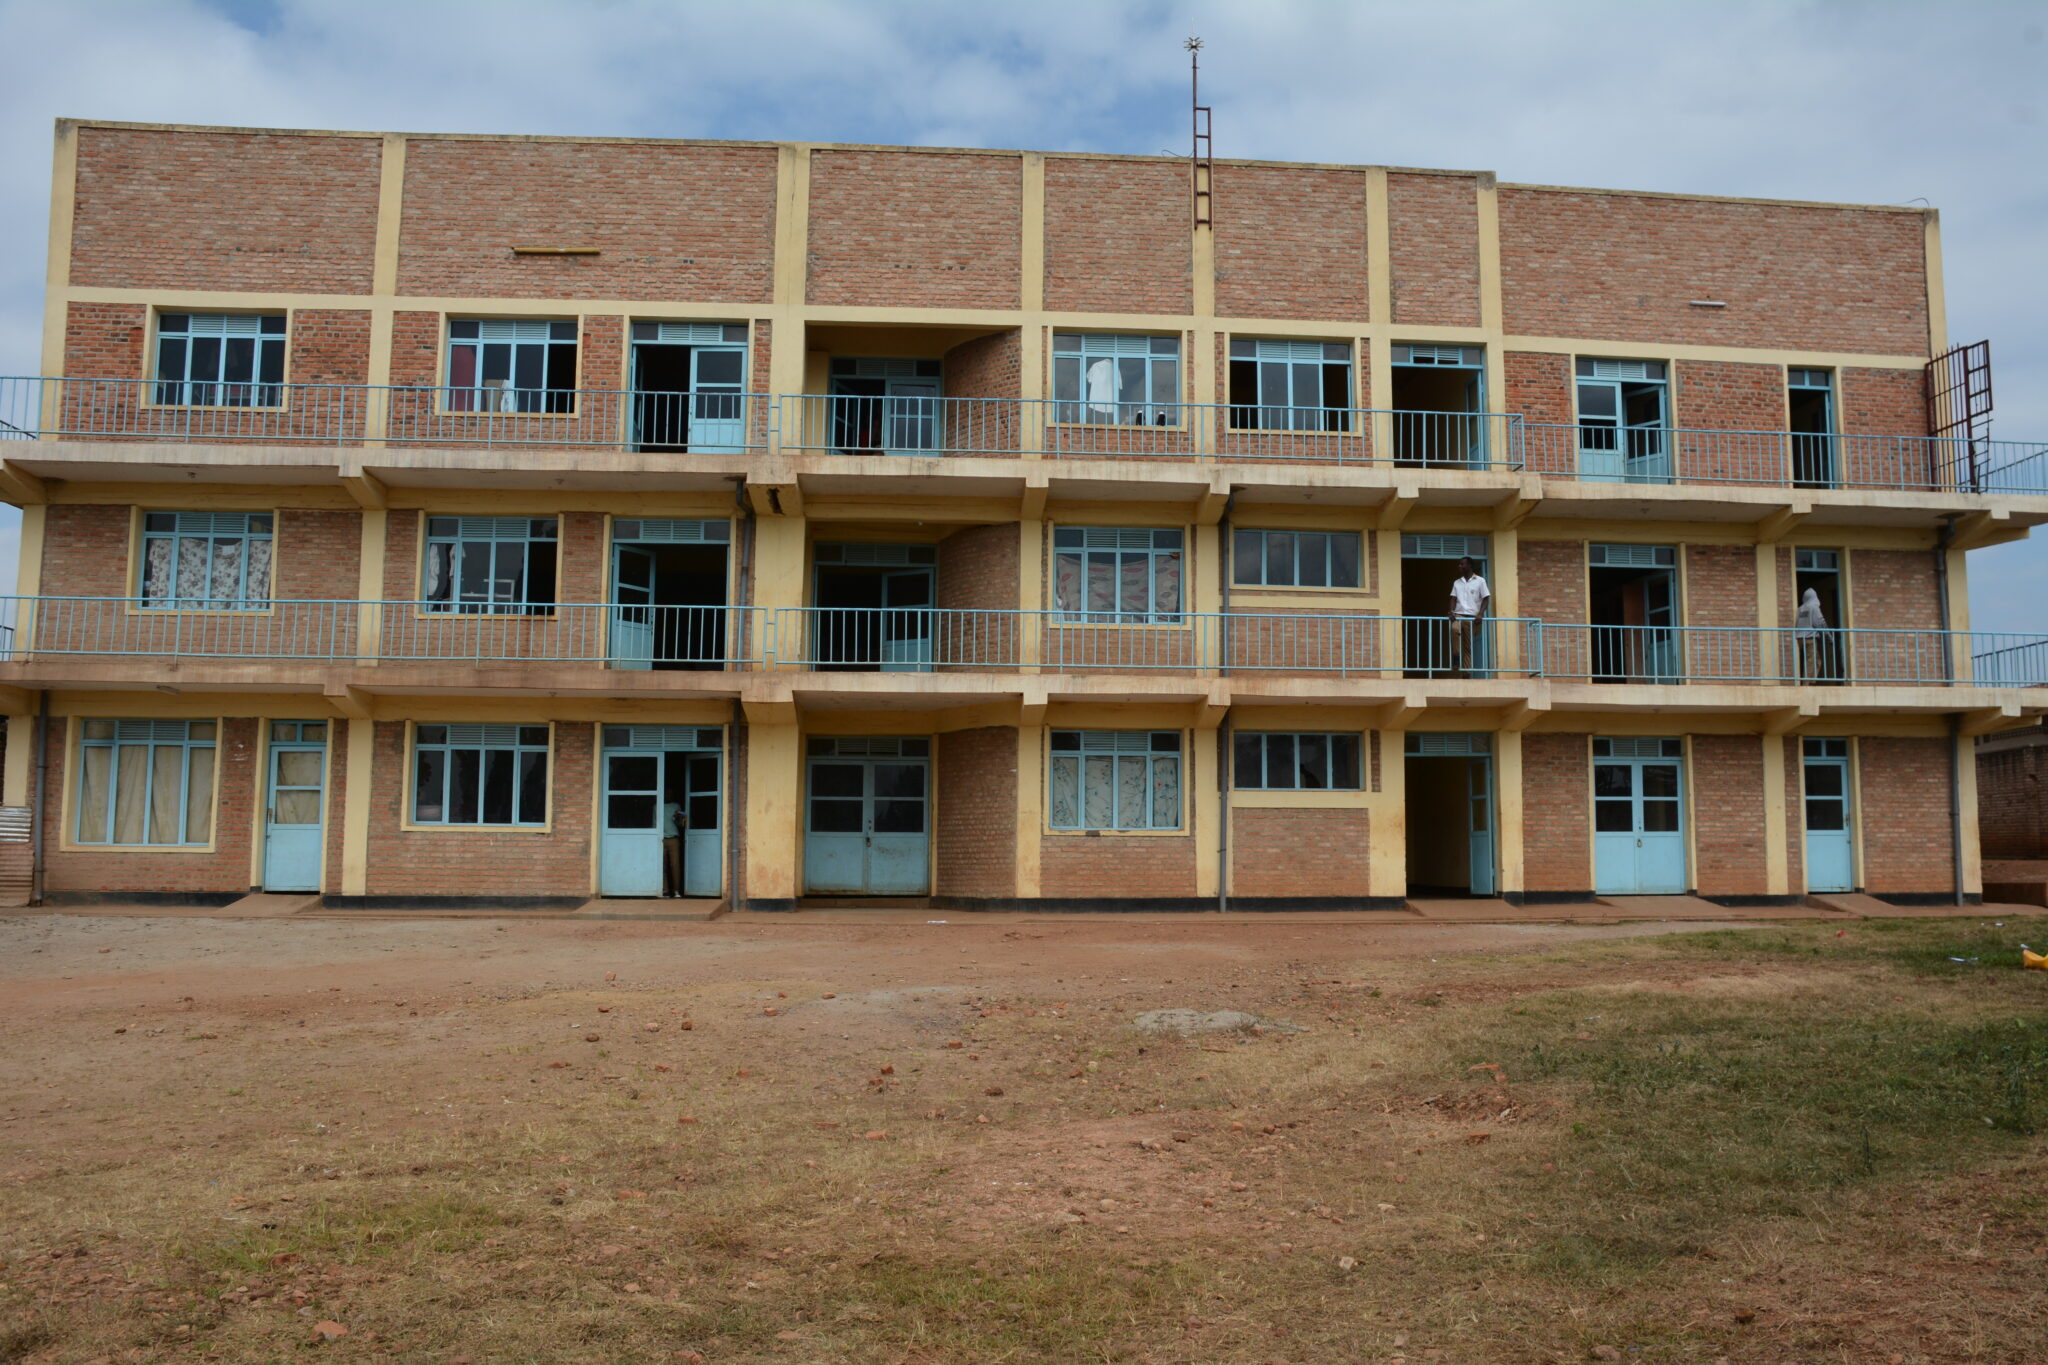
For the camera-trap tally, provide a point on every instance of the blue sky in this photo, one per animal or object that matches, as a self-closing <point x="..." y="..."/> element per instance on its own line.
<point x="1854" y="100"/>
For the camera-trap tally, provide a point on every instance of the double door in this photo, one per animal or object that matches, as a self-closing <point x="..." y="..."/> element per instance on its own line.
<point x="1638" y="818"/>
<point x="867" y="821"/>
<point x="1623" y="434"/>
<point x="295" y="802"/>
<point x="647" y="769"/>
<point x="895" y="416"/>
<point x="706" y="418"/>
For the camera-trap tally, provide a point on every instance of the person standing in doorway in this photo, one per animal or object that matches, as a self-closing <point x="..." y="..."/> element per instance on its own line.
<point x="672" y="824"/>
<point x="1469" y="596"/>
<point x="1809" y="628"/>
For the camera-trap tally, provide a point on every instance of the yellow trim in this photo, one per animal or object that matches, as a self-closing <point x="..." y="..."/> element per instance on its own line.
<point x="1379" y="258"/>
<point x="405" y="787"/>
<point x="16" y="785"/>
<point x="57" y="266"/>
<point x="1031" y="817"/>
<point x="1201" y="267"/>
<point x="74" y="760"/>
<point x="1490" y="306"/>
<point x="390" y="215"/>
<point x="355" y="817"/>
<point x="792" y="232"/>
<point x="1201" y="785"/>
<point x="1245" y="798"/>
<point x="28" y="574"/>
<point x="1031" y="248"/>
<point x="1937" y="296"/>
<point x="1509" y="851"/>
<point x="774" y="808"/>
<point x="1387" y="826"/>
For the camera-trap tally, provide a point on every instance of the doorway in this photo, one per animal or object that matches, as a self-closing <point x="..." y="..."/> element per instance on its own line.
<point x="1823" y="656"/>
<point x="1810" y="413"/>
<point x="648" y="768"/>
<point x="1639" y="817"/>
<point x="1438" y="392"/>
<point x="1450" y="806"/>
<point x="669" y="593"/>
<point x="1624" y="421"/>
<point x="867" y="807"/>
<point x="1632" y="593"/>
<point x="1830" y="837"/>
<point x="688" y="379"/>
<point x="873" y="607"/>
<point x="292" y="825"/>
<point x="1429" y="564"/>
<point x="888" y="407"/>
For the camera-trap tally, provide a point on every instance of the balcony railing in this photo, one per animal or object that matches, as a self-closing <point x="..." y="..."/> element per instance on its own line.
<point x="928" y="639"/>
<point x="1782" y="459"/>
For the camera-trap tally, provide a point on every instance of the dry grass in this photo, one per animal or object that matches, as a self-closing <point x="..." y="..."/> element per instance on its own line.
<point x="1778" y="1145"/>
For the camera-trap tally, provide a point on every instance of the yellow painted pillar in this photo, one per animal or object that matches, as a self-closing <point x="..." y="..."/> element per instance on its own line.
<point x="1508" y="810"/>
<point x="774" y="777"/>
<point x="384" y="288"/>
<point x="1966" y="794"/>
<point x="355" y="813"/>
<point x="779" y="582"/>
<point x="1491" y="310"/>
<point x="21" y="747"/>
<point x="1388" y="832"/>
<point x="370" y="585"/>
<point x="1777" y="866"/>
<point x="1769" y="655"/>
<point x="57" y="266"/>
<point x="1205" y="595"/>
<point x="1389" y="572"/>
<point x="1030" y="594"/>
<point x="1505" y="579"/>
<point x="1959" y="615"/>
<point x="28" y="576"/>
<point x="1205" y="810"/>
<point x="1030" y="808"/>
<point x="1377" y="391"/>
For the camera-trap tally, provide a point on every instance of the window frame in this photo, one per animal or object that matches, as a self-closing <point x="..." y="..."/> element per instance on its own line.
<point x="1152" y="353"/>
<point x="158" y="736"/>
<point x="243" y="604"/>
<point x="455" y="398"/>
<point x="467" y="736"/>
<point x="1262" y="558"/>
<point x="1117" y="747"/>
<point x="1155" y="550"/>
<point x="452" y="605"/>
<point x="1261" y="352"/>
<point x="271" y="343"/>
<point x="1265" y="738"/>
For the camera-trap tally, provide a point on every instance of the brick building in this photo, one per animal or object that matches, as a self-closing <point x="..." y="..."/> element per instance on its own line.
<point x="413" y="519"/>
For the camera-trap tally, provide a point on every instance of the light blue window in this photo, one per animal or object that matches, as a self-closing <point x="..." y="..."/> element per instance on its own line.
<point x="511" y="365"/>
<point x="1117" y="575"/>
<point x="145" y="782"/>
<point x="1290" y="385"/>
<point x="491" y="564"/>
<point x="1295" y="559"/>
<point x="1108" y="379"/>
<point x="1115" y="779"/>
<point x="1296" y="762"/>
<point x="1810" y="409"/>
<point x="1624" y="418"/>
<point x="231" y="360"/>
<point x="480" y="775"/>
<point x="206" y="561"/>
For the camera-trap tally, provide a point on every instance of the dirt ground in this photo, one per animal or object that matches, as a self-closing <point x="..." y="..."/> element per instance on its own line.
<point x="486" y="1140"/>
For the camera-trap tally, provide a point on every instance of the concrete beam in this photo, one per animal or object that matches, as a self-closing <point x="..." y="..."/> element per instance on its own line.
<point x="1031" y="506"/>
<point x="1984" y="720"/>
<point x="17" y="701"/>
<point x="1988" y="527"/>
<point x="350" y="700"/>
<point x="1513" y="510"/>
<point x="1396" y="508"/>
<point x="20" y="487"/>
<point x="1519" y="716"/>
<point x="1398" y="715"/>
<point x="1789" y="719"/>
<point x="1209" y="506"/>
<point x="1779" y="523"/>
<point x="366" y="488"/>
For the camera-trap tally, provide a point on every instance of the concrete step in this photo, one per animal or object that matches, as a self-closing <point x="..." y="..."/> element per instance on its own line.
<point x="697" y="909"/>
<point x="270" y="905"/>
<point x="1853" y="903"/>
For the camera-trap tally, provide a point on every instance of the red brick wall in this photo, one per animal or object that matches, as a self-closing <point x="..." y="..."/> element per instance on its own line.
<point x="974" y="820"/>
<point x="329" y="346"/>
<point x="317" y="553"/>
<point x="1433" y="227"/>
<point x="1117" y="237"/>
<point x="176" y="210"/>
<point x="224" y="870"/>
<point x="2012" y="815"/>
<point x="1795" y="811"/>
<point x="1552" y="576"/>
<point x="672" y="222"/>
<point x="1116" y="866"/>
<point x="1720" y="585"/>
<point x="1290" y="242"/>
<point x="915" y="229"/>
<point x="337" y="802"/>
<point x="579" y="556"/>
<point x="978" y="567"/>
<point x="471" y="862"/>
<point x="416" y="348"/>
<point x="105" y="340"/>
<point x="1728" y="817"/>
<point x="988" y="367"/>
<point x="1276" y="852"/>
<point x="601" y="354"/>
<point x="87" y="550"/>
<point x="1557" y="843"/>
<point x="1888" y="403"/>
<point x="1893" y="590"/>
<point x="1723" y="395"/>
<point x="1905" y="810"/>
<point x="1625" y="267"/>
<point x="1540" y="388"/>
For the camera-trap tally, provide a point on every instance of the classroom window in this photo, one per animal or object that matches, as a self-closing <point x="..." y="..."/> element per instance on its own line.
<point x="1115" y="779"/>
<point x="480" y="775"/>
<point x="1290" y="385"/>
<point x="1295" y="559"/>
<point x="1295" y="762"/>
<point x="511" y="365"/>
<point x="230" y="360"/>
<point x="206" y="561"/>
<point x="145" y="782"/>
<point x="490" y="564"/>
<point x="1117" y="575"/>
<point x="1120" y="380"/>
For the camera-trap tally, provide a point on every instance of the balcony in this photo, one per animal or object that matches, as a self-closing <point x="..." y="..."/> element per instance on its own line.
<point x="52" y="630"/>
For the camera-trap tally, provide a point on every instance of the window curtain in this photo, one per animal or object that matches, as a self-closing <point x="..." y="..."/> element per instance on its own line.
<point x="437" y="571"/>
<point x="1131" y="797"/>
<point x="1066" y="792"/>
<point x="258" y="588"/>
<point x="226" y="572"/>
<point x="194" y="567"/>
<point x="1167" y="583"/>
<point x="93" y="775"/>
<point x="166" y="787"/>
<point x="156" y="571"/>
<point x="131" y="793"/>
<point x="1166" y="793"/>
<point x="1066" y="582"/>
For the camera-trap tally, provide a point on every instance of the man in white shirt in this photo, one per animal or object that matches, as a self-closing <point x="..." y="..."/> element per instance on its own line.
<point x="672" y="823"/>
<point x="1469" y="596"/>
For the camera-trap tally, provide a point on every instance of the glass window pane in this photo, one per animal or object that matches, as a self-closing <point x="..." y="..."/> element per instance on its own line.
<point x="1823" y="779"/>
<point x="1133" y="792"/>
<point x="199" y="797"/>
<point x="1313" y="760"/>
<point x="1066" y="792"/>
<point x="899" y="817"/>
<point x="1165" y="383"/>
<point x="292" y="808"/>
<point x="1824" y="815"/>
<point x="1247" y="557"/>
<point x="1165" y="346"/>
<point x="533" y="787"/>
<point x="1597" y="400"/>
<point x="131" y="793"/>
<point x="1613" y="779"/>
<point x="1166" y="793"/>
<point x="1280" y="769"/>
<point x="634" y="772"/>
<point x="702" y="812"/>
<point x="835" y="817"/>
<point x="498" y="786"/>
<point x="1066" y="378"/>
<point x="429" y="768"/>
<point x="312" y="733"/>
<point x="1660" y="817"/>
<point x="199" y="729"/>
<point x="298" y="768"/>
<point x="1280" y="557"/>
<point x="465" y="785"/>
<point x="533" y="734"/>
<point x="837" y="779"/>
<point x="95" y="768"/>
<point x="238" y="360"/>
<point x="1312" y="554"/>
<point x="899" y="779"/>
<point x="1249" y="767"/>
<point x="1134" y="578"/>
<point x="1344" y="560"/>
<point x="631" y="810"/>
<point x="431" y="734"/>
<point x="1614" y="817"/>
<point x="166" y="794"/>
<point x="1344" y="765"/>
<point x="1166" y="741"/>
<point x="1098" y="774"/>
<point x="1660" y="779"/>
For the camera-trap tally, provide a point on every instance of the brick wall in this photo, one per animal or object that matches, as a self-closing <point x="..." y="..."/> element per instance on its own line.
<point x="87" y="550"/>
<point x="988" y="367"/>
<point x="1552" y="578"/>
<point x="1893" y="590"/>
<point x="175" y="210"/>
<point x="1557" y="845"/>
<point x="2012" y="814"/>
<point x="1887" y="403"/>
<point x="672" y="222"/>
<point x="1625" y="267"/>
<point x="104" y="341"/>
<point x="1795" y="811"/>
<point x="1720" y="585"/>
<point x="915" y="229"/>
<point x="1721" y="395"/>
<point x="330" y="346"/>
<point x="974" y="820"/>
<point x="1905" y="810"/>
<point x="1116" y="867"/>
<point x="1290" y="242"/>
<point x="1728" y="818"/>
<point x="978" y="567"/>
<point x="1275" y="852"/>
<point x="601" y="353"/>
<point x="1539" y="387"/>
<point x="225" y="870"/>
<point x="1117" y="237"/>
<point x="1433" y="228"/>
<point x="470" y="862"/>
<point x="337" y="803"/>
<point x="415" y="348"/>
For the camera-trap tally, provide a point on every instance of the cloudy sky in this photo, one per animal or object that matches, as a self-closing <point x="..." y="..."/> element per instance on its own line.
<point x="1855" y="100"/>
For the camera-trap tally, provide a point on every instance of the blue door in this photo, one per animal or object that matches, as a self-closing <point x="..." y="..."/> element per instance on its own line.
<point x="907" y="621"/>
<point x="1479" y="829"/>
<point x="632" y="643"/>
<point x="648" y="768"/>
<point x="1830" y="842"/>
<point x="1638" y="817"/>
<point x="292" y="813"/>
<point x="865" y="828"/>
<point x="717" y="408"/>
<point x="1623" y="429"/>
<point x="629" y="846"/>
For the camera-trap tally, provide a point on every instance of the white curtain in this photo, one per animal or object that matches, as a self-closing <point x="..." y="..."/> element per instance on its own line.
<point x="92" y="795"/>
<point x="156" y="572"/>
<point x="199" y="798"/>
<point x="259" y="570"/>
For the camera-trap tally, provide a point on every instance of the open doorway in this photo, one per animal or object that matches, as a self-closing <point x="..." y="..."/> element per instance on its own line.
<point x="1823" y="654"/>
<point x="660" y="833"/>
<point x="669" y="593"/>
<point x="1438" y="392"/>
<point x="885" y="406"/>
<point x="1810" y="412"/>
<point x="687" y="387"/>
<point x="1633" y="600"/>
<point x="1450" y="815"/>
<point x="1429" y="565"/>
<point x="873" y="607"/>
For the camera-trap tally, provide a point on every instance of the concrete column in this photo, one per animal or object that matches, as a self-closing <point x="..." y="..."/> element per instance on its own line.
<point x="774" y="848"/>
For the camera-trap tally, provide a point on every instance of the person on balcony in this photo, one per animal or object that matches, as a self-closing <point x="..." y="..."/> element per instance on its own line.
<point x="1469" y="596"/>
<point x="1810" y="629"/>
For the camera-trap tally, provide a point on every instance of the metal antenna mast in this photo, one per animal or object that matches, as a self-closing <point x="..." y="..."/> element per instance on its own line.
<point x="1202" y="166"/>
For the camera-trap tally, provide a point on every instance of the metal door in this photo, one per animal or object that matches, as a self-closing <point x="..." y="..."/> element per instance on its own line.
<point x="907" y="621"/>
<point x="865" y="828"/>
<point x="1638" y="826"/>
<point x="1600" y="459"/>
<point x="911" y="417"/>
<point x="1479" y="788"/>
<point x="1660" y="640"/>
<point x="703" y="853"/>
<point x="717" y="408"/>
<point x="1830" y="844"/>
<point x="632" y="607"/>
<point x="1648" y="443"/>
<point x="629" y="844"/>
<point x="292" y="814"/>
